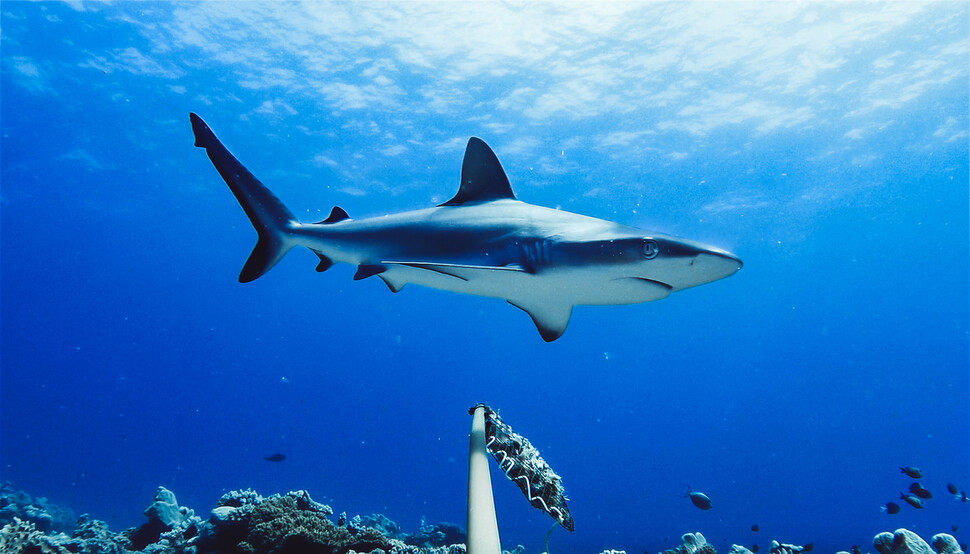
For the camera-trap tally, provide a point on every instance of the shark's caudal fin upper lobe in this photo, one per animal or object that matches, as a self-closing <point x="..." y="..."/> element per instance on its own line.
<point x="268" y="215"/>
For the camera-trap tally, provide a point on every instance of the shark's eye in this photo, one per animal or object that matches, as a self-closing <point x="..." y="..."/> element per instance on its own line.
<point x="650" y="249"/>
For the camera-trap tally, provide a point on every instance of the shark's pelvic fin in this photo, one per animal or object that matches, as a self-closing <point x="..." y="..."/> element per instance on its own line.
<point x="336" y="214"/>
<point x="482" y="176"/>
<point x="368" y="270"/>
<point x="268" y="215"/>
<point x="393" y="284"/>
<point x="551" y="318"/>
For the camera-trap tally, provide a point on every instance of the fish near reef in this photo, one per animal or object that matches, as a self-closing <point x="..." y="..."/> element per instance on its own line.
<point x="484" y="241"/>
<point x="699" y="499"/>
<point x="754" y="548"/>
<point x="808" y="547"/>
<point x="911" y="471"/>
<point x="951" y="488"/>
<point x="275" y="458"/>
<point x="912" y="500"/>
<point x="754" y="527"/>
<point x="891" y="508"/>
<point x="919" y="491"/>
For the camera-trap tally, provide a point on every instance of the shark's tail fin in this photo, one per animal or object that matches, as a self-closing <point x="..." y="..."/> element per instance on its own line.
<point x="273" y="222"/>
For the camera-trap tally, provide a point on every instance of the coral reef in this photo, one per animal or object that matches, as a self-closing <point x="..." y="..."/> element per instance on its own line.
<point x="904" y="541"/>
<point x="243" y="522"/>
<point x="45" y="516"/>
<point x="692" y="543"/>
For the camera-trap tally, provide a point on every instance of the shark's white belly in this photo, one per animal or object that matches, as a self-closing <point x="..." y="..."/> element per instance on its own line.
<point x="563" y="286"/>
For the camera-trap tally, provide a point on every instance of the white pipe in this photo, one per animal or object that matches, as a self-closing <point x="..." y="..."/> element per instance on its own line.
<point x="482" y="526"/>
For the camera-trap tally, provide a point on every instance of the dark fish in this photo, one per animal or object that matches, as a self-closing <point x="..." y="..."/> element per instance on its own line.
<point x="963" y="496"/>
<point x="891" y="508"/>
<point x="699" y="499"/>
<point x="754" y="548"/>
<point x="275" y="458"/>
<point x="855" y="549"/>
<point x="912" y="501"/>
<point x="955" y="527"/>
<point x="912" y="471"/>
<point x="754" y="527"/>
<point x="919" y="491"/>
<point x="808" y="547"/>
<point x="951" y="488"/>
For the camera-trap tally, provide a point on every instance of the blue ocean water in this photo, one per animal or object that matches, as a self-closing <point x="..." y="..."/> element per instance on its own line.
<point x="824" y="144"/>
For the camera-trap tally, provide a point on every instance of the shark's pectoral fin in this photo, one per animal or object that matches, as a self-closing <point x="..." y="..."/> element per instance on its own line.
<point x="368" y="270"/>
<point x="459" y="271"/>
<point x="550" y="318"/>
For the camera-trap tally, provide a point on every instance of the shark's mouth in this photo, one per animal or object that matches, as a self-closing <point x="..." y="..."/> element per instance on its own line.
<point x="654" y="281"/>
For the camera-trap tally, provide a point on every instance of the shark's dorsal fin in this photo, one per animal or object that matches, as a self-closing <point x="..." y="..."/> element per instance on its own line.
<point x="482" y="176"/>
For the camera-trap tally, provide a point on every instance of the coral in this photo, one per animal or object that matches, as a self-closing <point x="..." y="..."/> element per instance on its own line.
<point x="292" y="523"/>
<point x="440" y="534"/>
<point x="93" y="535"/>
<point x="242" y="522"/>
<point x="23" y="536"/>
<point x="383" y="524"/>
<point x="946" y="544"/>
<point x="738" y="549"/>
<point x="240" y="498"/>
<point x="692" y="543"/>
<point x="778" y="548"/>
<point x="45" y="516"/>
<point x="169" y="527"/>
<point x="903" y="541"/>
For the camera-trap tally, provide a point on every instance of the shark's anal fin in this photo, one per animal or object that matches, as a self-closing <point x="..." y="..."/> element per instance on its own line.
<point x="336" y="214"/>
<point x="551" y="319"/>
<point x="482" y="176"/>
<point x="325" y="262"/>
<point x="368" y="270"/>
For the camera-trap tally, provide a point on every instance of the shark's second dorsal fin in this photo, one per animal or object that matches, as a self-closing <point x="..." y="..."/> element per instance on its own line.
<point x="482" y="176"/>
<point x="336" y="214"/>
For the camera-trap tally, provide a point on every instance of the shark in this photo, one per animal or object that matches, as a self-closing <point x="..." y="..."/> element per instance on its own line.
<point x="483" y="241"/>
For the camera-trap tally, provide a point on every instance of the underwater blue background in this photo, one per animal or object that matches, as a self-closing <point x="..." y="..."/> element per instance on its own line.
<point x="824" y="144"/>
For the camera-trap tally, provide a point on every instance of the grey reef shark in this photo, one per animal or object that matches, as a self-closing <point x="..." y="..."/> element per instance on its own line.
<point x="483" y="241"/>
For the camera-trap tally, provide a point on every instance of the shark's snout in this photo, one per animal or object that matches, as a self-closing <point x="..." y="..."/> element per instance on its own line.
<point x="689" y="264"/>
<point x="719" y="264"/>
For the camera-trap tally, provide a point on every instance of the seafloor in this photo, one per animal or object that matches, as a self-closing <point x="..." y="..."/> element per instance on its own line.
<point x="243" y="522"/>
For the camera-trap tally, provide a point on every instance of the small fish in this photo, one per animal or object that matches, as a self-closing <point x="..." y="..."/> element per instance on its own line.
<point x="962" y="496"/>
<point x="911" y="471"/>
<point x="955" y="527"/>
<point x="275" y="458"/>
<point x="912" y="500"/>
<point x="699" y="499"/>
<point x="855" y="549"/>
<point x="808" y="547"/>
<point x="919" y="491"/>
<point x="754" y="527"/>
<point x="754" y="548"/>
<point x="951" y="488"/>
<point x="891" y="508"/>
